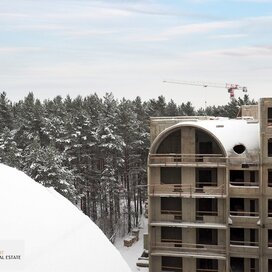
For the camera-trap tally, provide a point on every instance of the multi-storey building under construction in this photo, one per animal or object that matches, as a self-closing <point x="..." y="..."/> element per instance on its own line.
<point x="210" y="192"/>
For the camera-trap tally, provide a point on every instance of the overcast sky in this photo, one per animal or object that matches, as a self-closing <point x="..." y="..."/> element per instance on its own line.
<point x="129" y="47"/>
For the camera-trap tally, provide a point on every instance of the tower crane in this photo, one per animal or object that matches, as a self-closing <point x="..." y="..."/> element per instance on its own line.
<point x="230" y="87"/>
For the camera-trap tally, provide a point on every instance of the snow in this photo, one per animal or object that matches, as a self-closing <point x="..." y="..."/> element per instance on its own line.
<point x="131" y="254"/>
<point x="229" y="132"/>
<point x="49" y="232"/>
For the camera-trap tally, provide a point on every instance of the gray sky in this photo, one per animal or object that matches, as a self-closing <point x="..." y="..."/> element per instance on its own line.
<point x="78" y="47"/>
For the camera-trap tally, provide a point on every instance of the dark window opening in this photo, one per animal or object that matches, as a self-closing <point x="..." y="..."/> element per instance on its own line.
<point x="270" y="238"/>
<point x="269" y="177"/>
<point x="239" y="149"/>
<point x="252" y="177"/>
<point x="206" y="265"/>
<point x="237" y="206"/>
<point x="206" y="177"/>
<point x="205" y="148"/>
<point x="253" y="237"/>
<point x="173" y="264"/>
<point x="206" y="206"/>
<point x="269" y="147"/>
<point x="237" y="177"/>
<point x="171" y="205"/>
<point x="171" y="144"/>
<point x="205" y="144"/>
<point x="171" y="235"/>
<point x="170" y="175"/>
<point x="244" y="207"/>
<point x="238" y="236"/>
<point x="254" y="264"/>
<point x="253" y="207"/>
<point x="269" y="265"/>
<point x="269" y="116"/>
<point x="269" y="207"/>
<point x="206" y="236"/>
<point x="237" y="264"/>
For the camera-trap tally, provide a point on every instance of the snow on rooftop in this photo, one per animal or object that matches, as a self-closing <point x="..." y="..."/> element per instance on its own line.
<point x="50" y="232"/>
<point x="231" y="132"/>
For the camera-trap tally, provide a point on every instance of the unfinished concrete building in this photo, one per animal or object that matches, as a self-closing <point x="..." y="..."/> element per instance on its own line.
<point x="210" y="192"/>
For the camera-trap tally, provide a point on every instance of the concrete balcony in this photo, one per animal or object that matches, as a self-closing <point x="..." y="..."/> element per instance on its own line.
<point x="184" y="224"/>
<point x="244" y="218"/>
<point x="190" y="160"/>
<point x="268" y="250"/>
<point x="243" y="189"/>
<point x="187" y="191"/>
<point x="268" y="191"/>
<point x="169" y="216"/>
<point x="180" y="249"/>
<point x="244" y="249"/>
<point x="201" y="218"/>
<point x="210" y="217"/>
<point x="268" y="221"/>
<point x="247" y="162"/>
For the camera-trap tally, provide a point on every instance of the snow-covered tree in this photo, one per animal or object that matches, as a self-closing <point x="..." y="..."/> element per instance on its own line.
<point x="6" y="114"/>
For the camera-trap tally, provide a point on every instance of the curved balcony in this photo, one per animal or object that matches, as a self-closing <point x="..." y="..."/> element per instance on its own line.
<point x="195" y="160"/>
<point x="204" y="217"/>
<point x="185" y="190"/>
<point x="180" y="249"/>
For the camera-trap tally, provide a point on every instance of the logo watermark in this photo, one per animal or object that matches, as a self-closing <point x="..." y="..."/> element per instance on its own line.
<point x="11" y="254"/>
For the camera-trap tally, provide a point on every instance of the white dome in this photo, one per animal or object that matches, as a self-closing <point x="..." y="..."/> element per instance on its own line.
<point x="231" y="132"/>
<point x="54" y="234"/>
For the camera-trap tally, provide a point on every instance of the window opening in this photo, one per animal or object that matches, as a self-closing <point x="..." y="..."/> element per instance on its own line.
<point x="171" y="235"/>
<point x="269" y="147"/>
<point x="173" y="264"/>
<point x="171" y="206"/>
<point x="269" y="116"/>
<point x="269" y="177"/>
<point x="237" y="264"/>
<point x="170" y="175"/>
<point x="237" y="177"/>
<point x="239" y="149"/>
<point x="270" y="238"/>
<point x="171" y="144"/>
<point x="269" y="207"/>
<point x="206" y="206"/>
<point x="207" y="236"/>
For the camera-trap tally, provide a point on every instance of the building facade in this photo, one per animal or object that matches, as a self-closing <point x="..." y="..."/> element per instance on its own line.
<point x="210" y="192"/>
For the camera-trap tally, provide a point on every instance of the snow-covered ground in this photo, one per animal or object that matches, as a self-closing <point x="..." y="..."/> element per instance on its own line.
<point x="131" y="254"/>
<point x="41" y="231"/>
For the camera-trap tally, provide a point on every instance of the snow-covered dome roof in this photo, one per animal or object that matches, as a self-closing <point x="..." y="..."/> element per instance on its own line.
<point x="48" y="232"/>
<point x="232" y="132"/>
<point x="227" y="132"/>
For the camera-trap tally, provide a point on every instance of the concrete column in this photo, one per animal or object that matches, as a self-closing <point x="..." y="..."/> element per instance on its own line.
<point x="246" y="205"/>
<point x="189" y="264"/>
<point x="221" y="237"/>
<point x="156" y="264"/>
<point x="188" y="140"/>
<point x="246" y="264"/>
<point x="222" y="266"/>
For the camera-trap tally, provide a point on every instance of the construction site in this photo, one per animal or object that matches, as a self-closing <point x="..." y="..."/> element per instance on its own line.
<point x="210" y="192"/>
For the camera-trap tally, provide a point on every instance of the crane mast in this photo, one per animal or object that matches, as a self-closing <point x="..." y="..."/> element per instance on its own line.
<point x="230" y="87"/>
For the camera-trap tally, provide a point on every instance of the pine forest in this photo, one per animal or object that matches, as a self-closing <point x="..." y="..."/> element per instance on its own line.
<point x="93" y="150"/>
